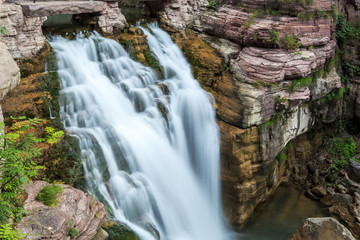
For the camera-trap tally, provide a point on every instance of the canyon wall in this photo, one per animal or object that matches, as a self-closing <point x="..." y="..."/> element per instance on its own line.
<point x="276" y="80"/>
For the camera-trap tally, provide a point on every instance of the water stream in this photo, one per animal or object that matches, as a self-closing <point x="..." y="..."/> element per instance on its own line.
<point x="150" y="146"/>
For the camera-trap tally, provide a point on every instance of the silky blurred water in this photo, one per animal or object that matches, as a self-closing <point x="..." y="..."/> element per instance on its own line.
<point x="150" y="146"/>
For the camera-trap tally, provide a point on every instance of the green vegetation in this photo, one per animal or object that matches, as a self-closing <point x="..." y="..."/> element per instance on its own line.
<point x="18" y="150"/>
<point x="152" y="61"/>
<point x="342" y="150"/>
<point x="335" y="13"/>
<point x="348" y="34"/>
<point x="212" y="4"/>
<point x="7" y="233"/>
<point x="266" y="11"/>
<point x="259" y="84"/>
<point x="274" y="37"/>
<point x="250" y="21"/>
<point x="291" y="42"/>
<point x="3" y="30"/>
<point x="49" y="194"/>
<point x="333" y="96"/>
<point x="279" y="99"/>
<point x="298" y="2"/>
<point x="275" y="118"/>
<point x="300" y="83"/>
<point x="304" y="16"/>
<point x="320" y="14"/>
<point x="281" y="157"/>
<point x="73" y="233"/>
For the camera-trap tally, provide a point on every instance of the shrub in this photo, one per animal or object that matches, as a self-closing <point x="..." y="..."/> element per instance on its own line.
<point x="49" y="194"/>
<point x="274" y="37"/>
<point x="320" y="14"/>
<point x="7" y="233"/>
<point x="3" y="30"/>
<point x="212" y="4"/>
<point x="73" y="233"/>
<point x="17" y="151"/>
<point x="291" y="42"/>
<point x="18" y="148"/>
<point x="304" y="16"/>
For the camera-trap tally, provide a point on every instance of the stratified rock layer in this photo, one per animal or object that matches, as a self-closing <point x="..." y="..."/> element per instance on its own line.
<point x="266" y="93"/>
<point x="23" y="22"/>
<point x="75" y="209"/>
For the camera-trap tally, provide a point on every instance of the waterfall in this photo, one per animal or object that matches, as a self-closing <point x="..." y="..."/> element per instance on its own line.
<point x="150" y="146"/>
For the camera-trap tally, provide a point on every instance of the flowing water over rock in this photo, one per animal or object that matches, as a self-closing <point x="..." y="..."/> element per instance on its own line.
<point x="150" y="146"/>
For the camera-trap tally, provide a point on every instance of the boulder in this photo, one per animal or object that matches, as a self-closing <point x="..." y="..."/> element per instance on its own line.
<point x="354" y="170"/>
<point x="322" y="229"/>
<point x="75" y="209"/>
<point x="9" y="71"/>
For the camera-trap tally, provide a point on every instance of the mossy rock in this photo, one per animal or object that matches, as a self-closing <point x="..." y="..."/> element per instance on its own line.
<point x="119" y="231"/>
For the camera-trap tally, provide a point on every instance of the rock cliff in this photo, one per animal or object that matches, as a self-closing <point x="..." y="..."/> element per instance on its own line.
<point x="276" y="78"/>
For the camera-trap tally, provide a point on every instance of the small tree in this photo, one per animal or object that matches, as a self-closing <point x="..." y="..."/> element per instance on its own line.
<point x="18" y="149"/>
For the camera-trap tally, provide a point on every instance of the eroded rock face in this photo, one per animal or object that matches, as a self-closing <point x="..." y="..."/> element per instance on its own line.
<point x="9" y="71"/>
<point x="262" y="100"/>
<point x="75" y="209"/>
<point x="24" y="38"/>
<point x="322" y="229"/>
<point x="23" y="22"/>
<point x="179" y="13"/>
<point x="111" y="20"/>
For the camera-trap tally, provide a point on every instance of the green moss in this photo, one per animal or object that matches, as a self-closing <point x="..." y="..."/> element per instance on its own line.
<point x="281" y="157"/>
<point x="276" y="117"/>
<point x="49" y="194"/>
<point x="317" y="75"/>
<point x="121" y="232"/>
<point x="152" y="61"/>
<point x="191" y="58"/>
<point x="279" y="99"/>
<point x="300" y="83"/>
<point x="65" y="155"/>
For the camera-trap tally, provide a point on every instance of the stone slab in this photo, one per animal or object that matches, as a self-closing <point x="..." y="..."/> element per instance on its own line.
<point x="41" y="9"/>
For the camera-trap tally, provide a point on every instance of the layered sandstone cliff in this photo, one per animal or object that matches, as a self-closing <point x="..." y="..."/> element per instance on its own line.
<point x="278" y="77"/>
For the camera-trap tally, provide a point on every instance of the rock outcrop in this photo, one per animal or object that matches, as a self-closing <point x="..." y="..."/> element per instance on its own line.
<point x="9" y="71"/>
<point x="276" y="77"/>
<point x="322" y="229"/>
<point x="24" y="36"/>
<point x="23" y="22"/>
<point x="75" y="209"/>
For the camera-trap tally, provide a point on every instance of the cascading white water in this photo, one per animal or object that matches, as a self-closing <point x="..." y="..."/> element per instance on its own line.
<point x="150" y="146"/>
